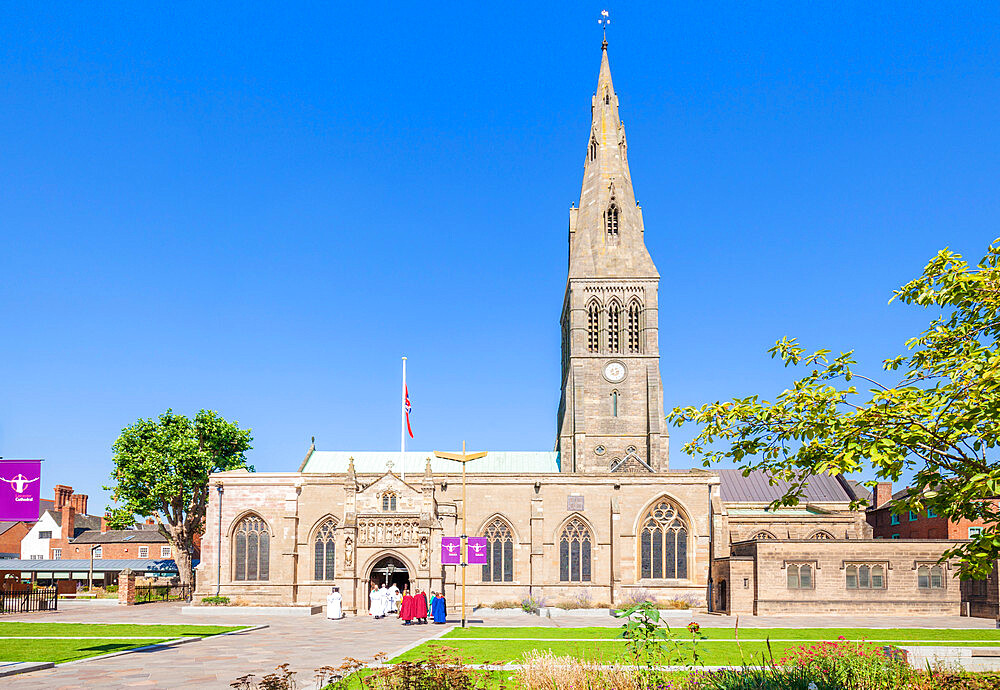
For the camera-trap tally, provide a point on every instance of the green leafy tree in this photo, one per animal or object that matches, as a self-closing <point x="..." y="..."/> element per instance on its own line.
<point x="162" y="468"/>
<point x="937" y="415"/>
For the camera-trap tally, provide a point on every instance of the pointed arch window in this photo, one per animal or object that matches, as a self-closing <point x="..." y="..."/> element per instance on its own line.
<point x="324" y="547"/>
<point x="499" y="565"/>
<point x="593" y="327"/>
<point x="614" y="403"/>
<point x="614" y="327"/>
<point x="251" y="549"/>
<point x="593" y="147"/>
<point x="663" y="543"/>
<point x="389" y="502"/>
<point x="574" y="552"/>
<point x="611" y="221"/>
<point x="634" y="311"/>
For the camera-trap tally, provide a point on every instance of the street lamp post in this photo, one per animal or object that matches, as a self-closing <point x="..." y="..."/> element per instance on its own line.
<point x="463" y="458"/>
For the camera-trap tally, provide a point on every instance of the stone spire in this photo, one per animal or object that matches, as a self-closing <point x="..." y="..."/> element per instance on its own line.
<point x="597" y="249"/>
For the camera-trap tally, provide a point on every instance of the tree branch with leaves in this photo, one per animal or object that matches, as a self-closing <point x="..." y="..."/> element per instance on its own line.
<point x="937" y="415"/>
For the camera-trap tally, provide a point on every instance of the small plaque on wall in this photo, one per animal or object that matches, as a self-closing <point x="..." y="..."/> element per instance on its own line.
<point x="574" y="503"/>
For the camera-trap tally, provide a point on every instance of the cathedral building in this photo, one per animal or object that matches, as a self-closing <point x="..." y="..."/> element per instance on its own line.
<point x="601" y="517"/>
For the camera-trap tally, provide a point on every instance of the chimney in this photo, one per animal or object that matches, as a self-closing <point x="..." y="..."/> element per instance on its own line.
<point x="79" y="503"/>
<point x="62" y="496"/>
<point x="68" y="521"/>
<point x="104" y="524"/>
<point x="883" y="494"/>
<point x="149" y="521"/>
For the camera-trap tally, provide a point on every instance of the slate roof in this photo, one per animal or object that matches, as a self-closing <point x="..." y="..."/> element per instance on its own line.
<point x="163" y="565"/>
<point x="121" y="536"/>
<point x="81" y="523"/>
<point x="7" y="524"/>
<point x="374" y="462"/>
<point x="756" y="488"/>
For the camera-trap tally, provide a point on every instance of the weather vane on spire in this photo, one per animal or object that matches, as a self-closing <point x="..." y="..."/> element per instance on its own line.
<point x="604" y="21"/>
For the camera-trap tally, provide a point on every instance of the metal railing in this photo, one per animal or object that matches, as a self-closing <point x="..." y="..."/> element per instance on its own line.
<point x="148" y="593"/>
<point x="26" y="599"/>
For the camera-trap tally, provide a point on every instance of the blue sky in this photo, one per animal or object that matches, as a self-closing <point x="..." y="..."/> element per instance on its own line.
<point x="259" y="211"/>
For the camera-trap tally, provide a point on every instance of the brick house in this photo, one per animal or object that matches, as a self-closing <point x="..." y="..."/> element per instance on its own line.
<point x="887" y="524"/>
<point x="120" y="543"/>
<point x="57" y="527"/>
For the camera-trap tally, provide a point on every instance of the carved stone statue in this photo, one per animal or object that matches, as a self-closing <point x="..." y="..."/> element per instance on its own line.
<point x="348" y="552"/>
<point x="423" y="552"/>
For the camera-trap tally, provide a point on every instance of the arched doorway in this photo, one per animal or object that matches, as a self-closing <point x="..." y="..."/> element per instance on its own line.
<point x="389" y="570"/>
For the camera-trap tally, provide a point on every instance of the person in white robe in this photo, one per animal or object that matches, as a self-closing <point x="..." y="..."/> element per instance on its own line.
<point x="383" y="595"/>
<point x="334" y="604"/>
<point x="373" y="602"/>
<point x="393" y="598"/>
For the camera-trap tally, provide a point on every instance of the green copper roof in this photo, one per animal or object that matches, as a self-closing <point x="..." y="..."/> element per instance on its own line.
<point x="413" y="462"/>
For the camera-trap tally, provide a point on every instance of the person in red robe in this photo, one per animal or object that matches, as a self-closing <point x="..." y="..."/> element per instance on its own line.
<point x="420" y="607"/>
<point x="407" y="609"/>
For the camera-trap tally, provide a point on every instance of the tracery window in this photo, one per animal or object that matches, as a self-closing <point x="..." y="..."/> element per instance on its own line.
<point x="663" y="543"/>
<point x="930" y="577"/>
<point x="865" y="577"/>
<point x="324" y="545"/>
<point x="574" y="552"/>
<point x="499" y="566"/>
<point x="633" y="327"/>
<point x="763" y="535"/>
<point x="800" y="576"/>
<point x="614" y="327"/>
<point x="611" y="220"/>
<point x="593" y="147"/>
<point x="593" y="327"/>
<point x="252" y="550"/>
<point x="388" y="502"/>
<point x="822" y="534"/>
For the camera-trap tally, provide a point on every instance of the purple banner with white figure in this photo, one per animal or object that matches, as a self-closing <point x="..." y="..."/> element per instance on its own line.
<point x="451" y="550"/>
<point x="20" y="489"/>
<point x="479" y="551"/>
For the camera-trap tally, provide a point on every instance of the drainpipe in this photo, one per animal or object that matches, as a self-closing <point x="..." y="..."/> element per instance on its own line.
<point x="218" y="550"/>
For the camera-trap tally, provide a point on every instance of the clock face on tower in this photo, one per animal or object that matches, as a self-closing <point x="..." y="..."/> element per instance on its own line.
<point x="614" y="372"/>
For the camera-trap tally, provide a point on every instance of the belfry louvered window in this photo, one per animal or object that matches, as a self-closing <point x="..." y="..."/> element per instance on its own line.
<point x="634" y="312"/>
<point x="663" y="543"/>
<point x="593" y="327"/>
<point x="324" y="547"/>
<point x="611" y="221"/>
<point x="499" y="565"/>
<point x="252" y="549"/>
<point x="614" y="327"/>
<point x="574" y="552"/>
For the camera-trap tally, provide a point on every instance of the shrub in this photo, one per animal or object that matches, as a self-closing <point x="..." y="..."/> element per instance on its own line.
<point x="215" y="601"/>
<point x="111" y="589"/>
<point x="850" y="665"/>
<point x="503" y="604"/>
<point x="632" y="596"/>
<point x="545" y="671"/>
<point x="532" y="604"/>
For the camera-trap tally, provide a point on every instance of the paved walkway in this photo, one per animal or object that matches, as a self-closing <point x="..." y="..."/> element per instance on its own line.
<point x="305" y="643"/>
<point x="309" y="642"/>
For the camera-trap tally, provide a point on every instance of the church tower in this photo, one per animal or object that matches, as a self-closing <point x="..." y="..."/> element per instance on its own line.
<point x="611" y="416"/>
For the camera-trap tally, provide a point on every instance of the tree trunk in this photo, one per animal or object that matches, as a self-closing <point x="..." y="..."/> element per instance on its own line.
<point x="182" y="554"/>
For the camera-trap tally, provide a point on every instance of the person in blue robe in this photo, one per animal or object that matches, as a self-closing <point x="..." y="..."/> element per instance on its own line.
<point x="438" y="608"/>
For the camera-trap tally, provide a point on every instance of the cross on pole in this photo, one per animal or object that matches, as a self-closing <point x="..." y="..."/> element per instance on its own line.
<point x="604" y="21"/>
<point x="463" y="458"/>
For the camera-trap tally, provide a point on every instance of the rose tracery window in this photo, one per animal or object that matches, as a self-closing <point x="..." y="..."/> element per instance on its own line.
<point x="663" y="543"/>
<point x="252" y="550"/>
<point x="499" y="565"/>
<point x="325" y="551"/>
<point x="574" y="552"/>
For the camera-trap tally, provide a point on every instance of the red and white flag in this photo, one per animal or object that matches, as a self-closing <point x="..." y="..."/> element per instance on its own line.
<point x="407" y="408"/>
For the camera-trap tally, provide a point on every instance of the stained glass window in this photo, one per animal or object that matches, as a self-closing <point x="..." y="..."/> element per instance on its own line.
<point x="663" y="543"/>
<point x="574" y="552"/>
<point x="252" y="549"/>
<point x="325" y="551"/>
<point x="499" y="566"/>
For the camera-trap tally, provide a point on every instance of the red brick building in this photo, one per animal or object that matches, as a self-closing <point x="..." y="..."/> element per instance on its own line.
<point x="886" y="524"/>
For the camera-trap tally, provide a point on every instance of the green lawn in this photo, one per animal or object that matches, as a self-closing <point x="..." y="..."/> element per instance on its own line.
<point x="64" y="650"/>
<point x="984" y="634"/>
<point x="480" y="645"/>
<point x="15" y="629"/>
<point x="20" y="648"/>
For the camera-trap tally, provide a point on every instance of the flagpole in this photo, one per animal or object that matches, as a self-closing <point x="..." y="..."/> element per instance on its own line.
<point x="402" y="426"/>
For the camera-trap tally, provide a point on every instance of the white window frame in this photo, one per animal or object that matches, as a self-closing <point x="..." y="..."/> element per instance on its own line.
<point x="143" y="552"/>
<point x="974" y="531"/>
<point x="56" y="554"/>
<point x="164" y="552"/>
<point x="98" y="553"/>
